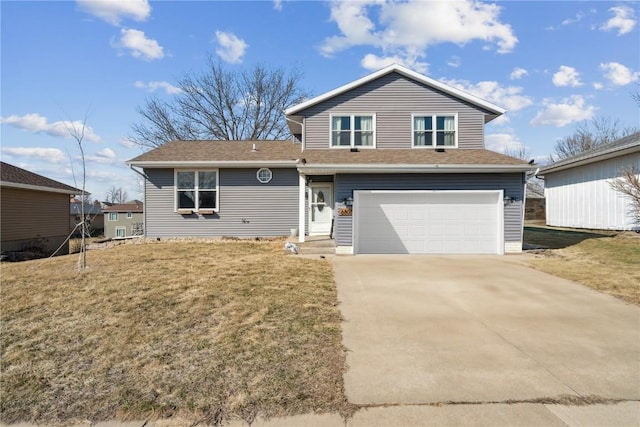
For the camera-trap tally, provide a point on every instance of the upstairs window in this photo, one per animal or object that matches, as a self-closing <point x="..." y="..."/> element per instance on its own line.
<point x="353" y="131"/>
<point x="113" y="216"/>
<point x="197" y="189"/>
<point x="435" y="131"/>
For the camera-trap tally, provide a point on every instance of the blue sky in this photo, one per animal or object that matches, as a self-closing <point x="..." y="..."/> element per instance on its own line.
<point x="550" y="64"/>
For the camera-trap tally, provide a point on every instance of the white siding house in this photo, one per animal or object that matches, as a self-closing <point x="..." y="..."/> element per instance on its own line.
<point x="578" y="191"/>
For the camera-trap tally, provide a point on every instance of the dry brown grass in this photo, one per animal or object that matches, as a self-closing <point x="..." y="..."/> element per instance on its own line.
<point x="207" y="331"/>
<point x="608" y="264"/>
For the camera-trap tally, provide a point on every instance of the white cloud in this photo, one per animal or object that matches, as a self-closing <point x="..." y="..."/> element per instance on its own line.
<point x="569" y="110"/>
<point x="52" y="155"/>
<point x="503" y="142"/>
<point x="36" y="123"/>
<point x="277" y="5"/>
<point x="114" y="11"/>
<point x="509" y="97"/>
<point x="518" y="73"/>
<point x="139" y="45"/>
<point x="407" y="28"/>
<point x="577" y="18"/>
<point x="623" y="20"/>
<point x="598" y="85"/>
<point x="107" y="153"/>
<point x="567" y="76"/>
<point x="454" y="62"/>
<point x="230" y="48"/>
<point x="156" y="85"/>
<point x="126" y="142"/>
<point x="373" y="62"/>
<point x="618" y="74"/>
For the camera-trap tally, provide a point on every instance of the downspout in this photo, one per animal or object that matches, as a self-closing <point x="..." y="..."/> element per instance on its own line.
<point x="144" y="198"/>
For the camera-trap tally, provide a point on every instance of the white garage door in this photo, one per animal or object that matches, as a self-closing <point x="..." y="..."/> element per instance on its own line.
<point x="424" y="222"/>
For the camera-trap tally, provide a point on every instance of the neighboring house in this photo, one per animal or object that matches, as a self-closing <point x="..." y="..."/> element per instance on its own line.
<point x="578" y="192"/>
<point x="391" y="163"/>
<point x="124" y="220"/>
<point x="93" y="213"/>
<point x="34" y="211"/>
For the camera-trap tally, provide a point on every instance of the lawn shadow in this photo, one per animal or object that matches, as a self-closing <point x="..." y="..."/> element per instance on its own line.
<point x="554" y="238"/>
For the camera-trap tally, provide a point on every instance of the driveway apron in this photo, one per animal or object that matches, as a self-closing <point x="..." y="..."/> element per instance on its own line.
<point x="426" y="329"/>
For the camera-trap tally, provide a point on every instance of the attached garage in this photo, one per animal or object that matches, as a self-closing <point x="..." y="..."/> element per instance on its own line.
<point x="428" y="222"/>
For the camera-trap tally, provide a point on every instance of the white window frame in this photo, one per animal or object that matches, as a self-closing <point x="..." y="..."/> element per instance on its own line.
<point x="129" y="215"/>
<point x="115" y="214"/>
<point x="352" y="130"/>
<point x="266" y="181"/>
<point x="196" y="189"/>
<point x="435" y="131"/>
<point x="123" y="229"/>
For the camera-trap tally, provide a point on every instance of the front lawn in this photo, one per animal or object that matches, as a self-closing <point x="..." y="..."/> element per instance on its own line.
<point x="609" y="264"/>
<point x="206" y="331"/>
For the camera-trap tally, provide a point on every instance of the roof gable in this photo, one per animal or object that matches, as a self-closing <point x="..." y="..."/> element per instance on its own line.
<point x="13" y="176"/>
<point x="464" y="96"/>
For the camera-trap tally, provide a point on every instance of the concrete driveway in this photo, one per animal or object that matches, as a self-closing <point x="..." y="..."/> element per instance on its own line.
<point x="426" y="329"/>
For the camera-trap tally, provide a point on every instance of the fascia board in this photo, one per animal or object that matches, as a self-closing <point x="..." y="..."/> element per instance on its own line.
<point x="433" y="168"/>
<point x="214" y="164"/>
<point x="40" y="188"/>
<point x="589" y="160"/>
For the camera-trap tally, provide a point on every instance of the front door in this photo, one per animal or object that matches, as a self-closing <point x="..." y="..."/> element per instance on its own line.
<point x="320" y="209"/>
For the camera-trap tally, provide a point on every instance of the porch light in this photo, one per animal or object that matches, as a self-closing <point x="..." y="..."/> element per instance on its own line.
<point x="508" y="200"/>
<point x="348" y="201"/>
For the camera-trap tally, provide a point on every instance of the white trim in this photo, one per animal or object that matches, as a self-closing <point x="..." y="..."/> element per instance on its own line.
<point x="214" y="164"/>
<point x="267" y="180"/>
<point x="330" y="169"/>
<point x="121" y="228"/>
<point x="331" y="205"/>
<point x="39" y="188"/>
<point x="407" y="73"/>
<point x="196" y="189"/>
<point x="500" y="246"/>
<point x="352" y="130"/>
<point x="513" y="247"/>
<point x="302" y="191"/>
<point x="344" y="250"/>
<point x="434" y="138"/>
<point x="588" y="160"/>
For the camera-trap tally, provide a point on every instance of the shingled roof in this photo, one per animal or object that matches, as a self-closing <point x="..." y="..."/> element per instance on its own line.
<point x="13" y="176"/>
<point x="287" y="153"/>
<point x="619" y="147"/>
<point x="125" y="207"/>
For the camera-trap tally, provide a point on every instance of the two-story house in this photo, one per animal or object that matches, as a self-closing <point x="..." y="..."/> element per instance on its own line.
<point x="124" y="220"/>
<point x="393" y="162"/>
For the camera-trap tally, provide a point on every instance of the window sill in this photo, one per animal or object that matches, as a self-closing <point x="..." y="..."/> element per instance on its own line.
<point x="185" y="211"/>
<point x="207" y="211"/>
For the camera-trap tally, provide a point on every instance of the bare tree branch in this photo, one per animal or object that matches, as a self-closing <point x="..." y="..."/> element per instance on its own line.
<point x="629" y="185"/>
<point x="116" y="195"/>
<point x="221" y="105"/>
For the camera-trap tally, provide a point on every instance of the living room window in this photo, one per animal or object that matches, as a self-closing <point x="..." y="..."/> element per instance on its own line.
<point x="196" y="190"/>
<point x="435" y="131"/>
<point x="350" y="131"/>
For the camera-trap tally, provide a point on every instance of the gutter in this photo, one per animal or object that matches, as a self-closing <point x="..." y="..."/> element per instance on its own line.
<point x="41" y="188"/>
<point x="419" y="168"/>
<point x="592" y="159"/>
<point x="214" y="164"/>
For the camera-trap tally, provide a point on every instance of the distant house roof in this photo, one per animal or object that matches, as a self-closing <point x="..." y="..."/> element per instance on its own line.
<point x="13" y="176"/>
<point x="620" y="147"/>
<point x="176" y="154"/>
<point x="126" y="207"/>
<point x="75" y="208"/>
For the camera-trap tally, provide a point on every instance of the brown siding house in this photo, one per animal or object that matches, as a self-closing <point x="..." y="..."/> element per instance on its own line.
<point x="34" y="211"/>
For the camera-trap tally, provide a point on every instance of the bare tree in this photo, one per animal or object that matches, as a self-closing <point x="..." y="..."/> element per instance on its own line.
<point x="221" y="105"/>
<point x="116" y="195"/>
<point x="589" y="135"/>
<point x="636" y="94"/>
<point x="629" y="185"/>
<point x="76" y="131"/>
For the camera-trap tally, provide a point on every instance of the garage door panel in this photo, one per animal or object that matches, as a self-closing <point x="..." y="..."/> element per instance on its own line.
<point x="427" y="222"/>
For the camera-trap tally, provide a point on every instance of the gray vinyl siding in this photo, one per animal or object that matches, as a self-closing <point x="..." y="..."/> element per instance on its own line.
<point x="393" y="99"/>
<point x="511" y="183"/>
<point x="247" y="208"/>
